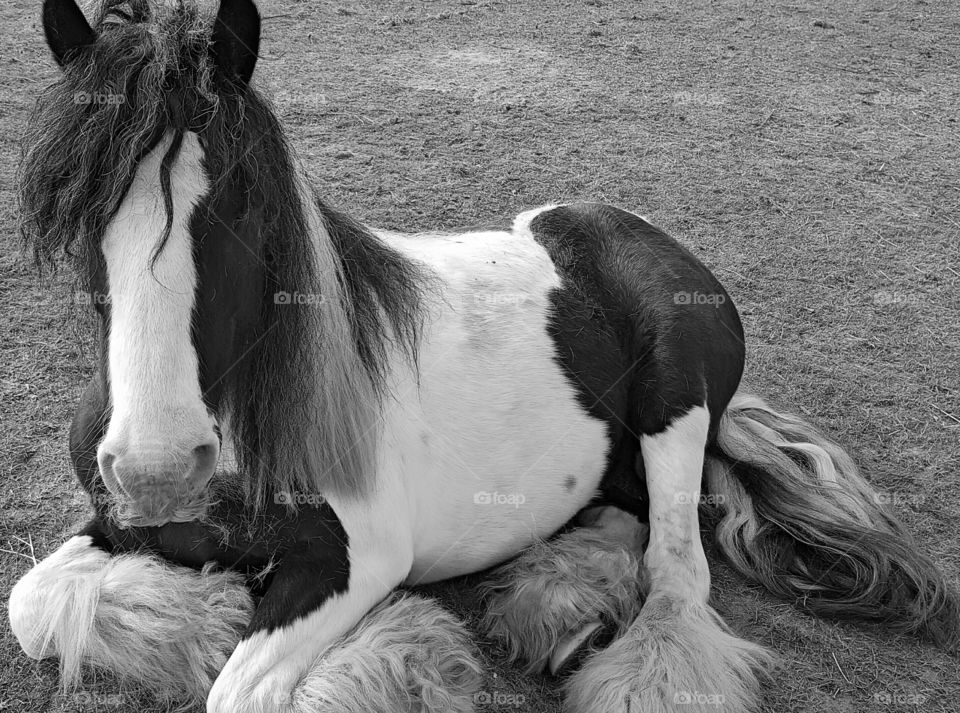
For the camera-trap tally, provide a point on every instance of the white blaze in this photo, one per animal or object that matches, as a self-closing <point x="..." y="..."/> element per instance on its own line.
<point x="158" y="414"/>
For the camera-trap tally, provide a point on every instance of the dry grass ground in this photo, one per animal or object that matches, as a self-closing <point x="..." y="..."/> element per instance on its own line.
<point x="807" y="152"/>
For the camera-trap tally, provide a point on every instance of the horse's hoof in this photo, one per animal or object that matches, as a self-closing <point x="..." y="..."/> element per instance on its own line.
<point x="677" y="657"/>
<point x="577" y="645"/>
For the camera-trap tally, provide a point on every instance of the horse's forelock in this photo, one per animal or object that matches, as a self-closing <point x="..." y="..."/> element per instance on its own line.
<point x="148" y="70"/>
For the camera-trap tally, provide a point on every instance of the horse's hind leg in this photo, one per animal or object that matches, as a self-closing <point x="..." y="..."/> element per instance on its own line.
<point x="678" y="655"/>
<point x="561" y="598"/>
<point x="161" y="626"/>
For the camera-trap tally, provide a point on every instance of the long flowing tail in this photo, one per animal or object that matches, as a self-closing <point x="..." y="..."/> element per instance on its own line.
<point x="797" y="517"/>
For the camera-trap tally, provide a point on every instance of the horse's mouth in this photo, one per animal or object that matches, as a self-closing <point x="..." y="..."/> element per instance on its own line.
<point x="129" y="514"/>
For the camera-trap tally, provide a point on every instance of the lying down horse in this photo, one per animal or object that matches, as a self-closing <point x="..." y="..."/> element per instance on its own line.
<point x="296" y="414"/>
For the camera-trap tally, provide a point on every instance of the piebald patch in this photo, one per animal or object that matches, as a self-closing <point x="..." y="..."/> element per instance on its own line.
<point x="475" y="493"/>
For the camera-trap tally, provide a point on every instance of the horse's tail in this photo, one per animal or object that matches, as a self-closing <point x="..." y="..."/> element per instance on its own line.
<point x="797" y="517"/>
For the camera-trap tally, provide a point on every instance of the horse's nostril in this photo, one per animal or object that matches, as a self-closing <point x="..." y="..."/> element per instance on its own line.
<point x="206" y="451"/>
<point x="107" y="465"/>
<point x="205" y="458"/>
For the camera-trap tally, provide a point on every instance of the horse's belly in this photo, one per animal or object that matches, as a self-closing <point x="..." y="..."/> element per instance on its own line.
<point x="484" y="501"/>
<point x="477" y="516"/>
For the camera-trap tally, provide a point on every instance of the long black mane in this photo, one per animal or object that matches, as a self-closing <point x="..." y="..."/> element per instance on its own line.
<point x="300" y="399"/>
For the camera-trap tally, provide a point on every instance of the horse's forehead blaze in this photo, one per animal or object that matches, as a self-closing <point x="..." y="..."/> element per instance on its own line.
<point x="152" y="362"/>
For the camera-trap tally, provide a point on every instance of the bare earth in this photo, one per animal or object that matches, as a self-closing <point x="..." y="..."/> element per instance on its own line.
<point x="807" y="153"/>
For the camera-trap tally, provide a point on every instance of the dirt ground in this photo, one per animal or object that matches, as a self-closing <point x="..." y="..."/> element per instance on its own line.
<point x="807" y="152"/>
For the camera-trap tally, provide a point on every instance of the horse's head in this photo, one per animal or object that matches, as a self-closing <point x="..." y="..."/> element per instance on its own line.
<point x="137" y="169"/>
<point x="167" y="181"/>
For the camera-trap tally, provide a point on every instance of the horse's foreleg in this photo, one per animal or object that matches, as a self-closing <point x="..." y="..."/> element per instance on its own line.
<point x="678" y="655"/>
<point x="320" y="590"/>
<point x="324" y="638"/>
<point x="408" y="655"/>
<point x="159" y="625"/>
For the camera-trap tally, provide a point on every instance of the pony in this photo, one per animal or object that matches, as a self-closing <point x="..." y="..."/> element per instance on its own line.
<point x="295" y="414"/>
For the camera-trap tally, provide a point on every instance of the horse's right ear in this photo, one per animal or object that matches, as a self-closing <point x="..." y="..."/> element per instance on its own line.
<point x="66" y="28"/>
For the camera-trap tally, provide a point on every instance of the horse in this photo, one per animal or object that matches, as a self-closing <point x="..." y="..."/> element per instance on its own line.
<point x="295" y="414"/>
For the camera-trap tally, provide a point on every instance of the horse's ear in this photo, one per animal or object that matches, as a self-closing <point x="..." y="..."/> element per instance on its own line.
<point x="66" y="28"/>
<point x="236" y="39"/>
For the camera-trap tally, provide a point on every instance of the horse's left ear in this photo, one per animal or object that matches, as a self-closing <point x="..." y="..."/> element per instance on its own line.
<point x="66" y="28"/>
<point x="236" y="39"/>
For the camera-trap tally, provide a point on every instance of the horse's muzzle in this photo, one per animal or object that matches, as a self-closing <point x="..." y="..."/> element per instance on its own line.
<point x="158" y="484"/>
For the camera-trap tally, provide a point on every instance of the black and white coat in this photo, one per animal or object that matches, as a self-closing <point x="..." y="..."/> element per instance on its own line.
<point x="578" y="357"/>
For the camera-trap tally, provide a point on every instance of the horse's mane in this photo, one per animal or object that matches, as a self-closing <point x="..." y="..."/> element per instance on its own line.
<point x="304" y="399"/>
